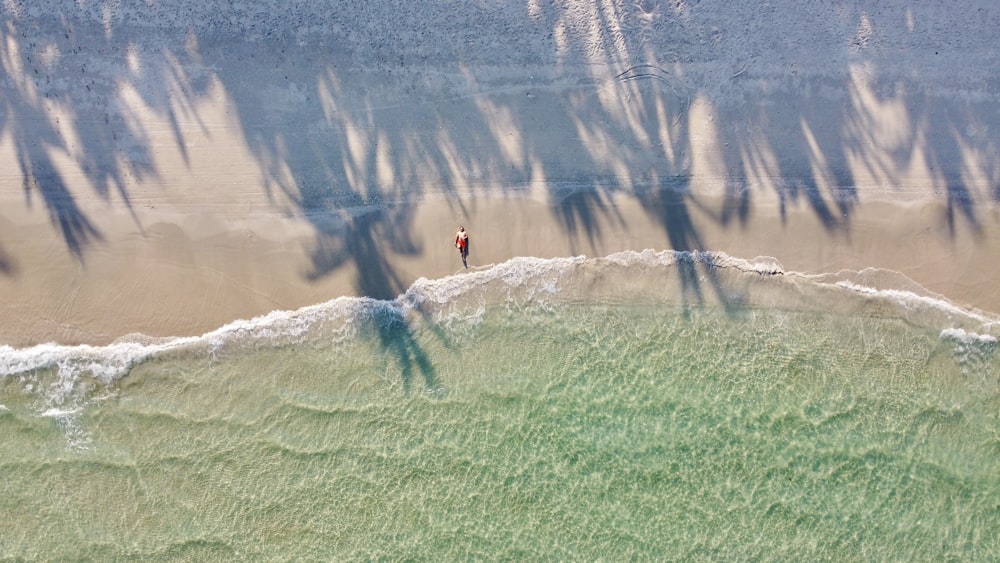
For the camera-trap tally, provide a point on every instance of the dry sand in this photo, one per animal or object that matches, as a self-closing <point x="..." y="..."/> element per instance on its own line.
<point x="168" y="167"/>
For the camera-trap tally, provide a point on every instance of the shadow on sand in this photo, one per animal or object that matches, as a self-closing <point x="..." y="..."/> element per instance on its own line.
<point x="354" y="127"/>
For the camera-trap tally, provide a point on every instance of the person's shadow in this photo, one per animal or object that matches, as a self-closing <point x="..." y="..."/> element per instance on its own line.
<point x="464" y="251"/>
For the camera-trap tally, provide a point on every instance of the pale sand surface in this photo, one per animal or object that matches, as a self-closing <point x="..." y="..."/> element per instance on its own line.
<point x="165" y="171"/>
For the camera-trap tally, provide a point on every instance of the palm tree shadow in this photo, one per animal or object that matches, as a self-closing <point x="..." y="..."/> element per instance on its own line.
<point x="342" y="238"/>
<point x="669" y="200"/>
<point x="94" y="128"/>
<point x="359" y="236"/>
<point x="396" y="338"/>
<point x="792" y="189"/>
<point x="8" y="266"/>
<point x="736" y="201"/>
<point x="960" y="203"/>
<point x="944" y="153"/>
<point x="40" y="176"/>
<point x="581" y="207"/>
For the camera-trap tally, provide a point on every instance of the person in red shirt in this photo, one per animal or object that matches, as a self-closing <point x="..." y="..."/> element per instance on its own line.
<point x="462" y="244"/>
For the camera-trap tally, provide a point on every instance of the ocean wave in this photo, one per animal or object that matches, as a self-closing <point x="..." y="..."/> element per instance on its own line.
<point x="910" y="301"/>
<point x="523" y="282"/>
<point x="965" y="337"/>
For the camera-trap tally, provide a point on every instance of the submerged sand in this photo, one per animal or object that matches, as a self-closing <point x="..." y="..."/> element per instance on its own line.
<point x="167" y="171"/>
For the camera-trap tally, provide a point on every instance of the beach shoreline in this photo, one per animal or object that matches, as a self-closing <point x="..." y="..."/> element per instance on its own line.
<point x="163" y="273"/>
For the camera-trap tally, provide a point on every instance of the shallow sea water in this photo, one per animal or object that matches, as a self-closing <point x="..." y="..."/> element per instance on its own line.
<point x="510" y="414"/>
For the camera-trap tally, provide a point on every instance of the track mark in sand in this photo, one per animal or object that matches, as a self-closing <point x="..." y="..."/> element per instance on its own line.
<point x="645" y="71"/>
<point x="739" y="69"/>
<point x="657" y="74"/>
<point x="660" y="76"/>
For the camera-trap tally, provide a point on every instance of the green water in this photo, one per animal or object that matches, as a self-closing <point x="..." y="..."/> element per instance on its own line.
<point x="582" y="432"/>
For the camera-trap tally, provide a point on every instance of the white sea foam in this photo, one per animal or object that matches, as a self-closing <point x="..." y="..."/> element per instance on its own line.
<point x="62" y="413"/>
<point x="965" y="337"/>
<point x="104" y="363"/>
<point x="972" y="352"/>
<point x="910" y="301"/>
<point x="467" y="296"/>
<point x="764" y="265"/>
<point x="539" y="273"/>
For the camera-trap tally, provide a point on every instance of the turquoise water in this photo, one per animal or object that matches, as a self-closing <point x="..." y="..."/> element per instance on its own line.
<point x="560" y="409"/>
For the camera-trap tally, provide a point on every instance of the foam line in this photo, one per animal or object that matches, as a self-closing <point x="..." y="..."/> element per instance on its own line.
<point x="525" y="279"/>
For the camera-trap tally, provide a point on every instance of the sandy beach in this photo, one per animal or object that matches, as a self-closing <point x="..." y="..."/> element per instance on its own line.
<point x="731" y="292"/>
<point x="168" y="168"/>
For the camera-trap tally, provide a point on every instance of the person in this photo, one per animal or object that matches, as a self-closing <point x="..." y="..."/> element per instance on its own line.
<point x="462" y="244"/>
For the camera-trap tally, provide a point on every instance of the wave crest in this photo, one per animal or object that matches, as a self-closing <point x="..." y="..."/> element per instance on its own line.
<point x="684" y="279"/>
